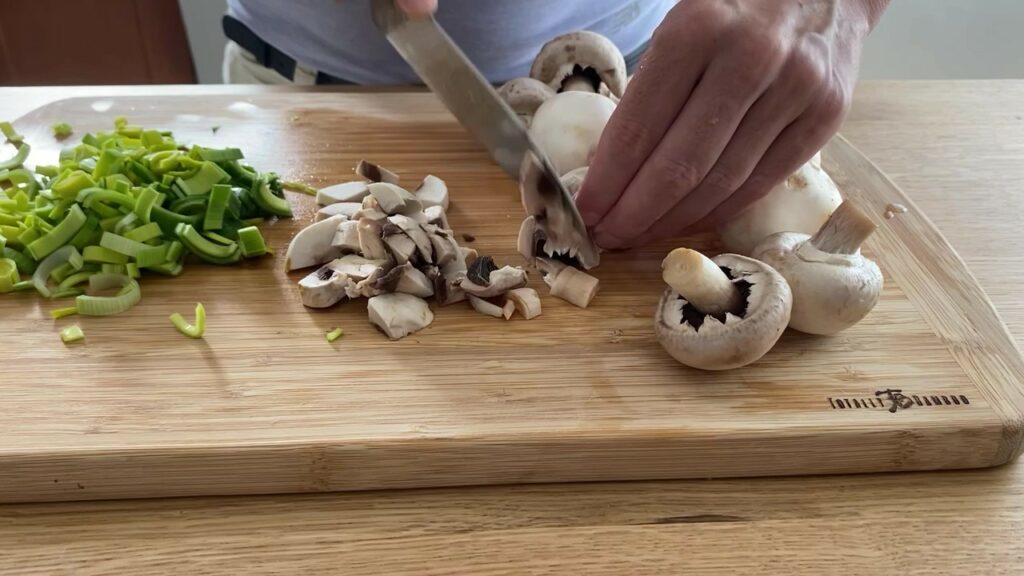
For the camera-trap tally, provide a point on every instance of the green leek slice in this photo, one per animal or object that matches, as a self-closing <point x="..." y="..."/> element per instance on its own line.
<point x="223" y="155"/>
<point x="144" y="204"/>
<point x="62" y="130"/>
<point x="122" y="245"/>
<point x="72" y="334"/>
<point x="192" y="331"/>
<point x="8" y="275"/>
<point x="300" y="187"/>
<point x="264" y="197"/>
<point x="152" y="255"/>
<point x="102" y="255"/>
<point x="251" y="242"/>
<point x="109" y="305"/>
<point x="209" y="251"/>
<point x="26" y="265"/>
<point x="58" y="257"/>
<point x="10" y="133"/>
<point x="58" y="313"/>
<point x="18" y="159"/>
<point x="60" y="235"/>
<point x="204" y="180"/>
<point x="218" y="204"/>
<point x="335" y="334"/>
<point x="144" y="233"/>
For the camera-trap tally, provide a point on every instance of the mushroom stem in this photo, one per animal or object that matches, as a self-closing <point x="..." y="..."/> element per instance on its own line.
<point x="575" y="287"/>
<point x="701" y="282"/>
<point x="844" y="231"/>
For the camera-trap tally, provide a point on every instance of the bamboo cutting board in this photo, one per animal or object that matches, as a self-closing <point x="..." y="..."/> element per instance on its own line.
<point x="264" y="404"/>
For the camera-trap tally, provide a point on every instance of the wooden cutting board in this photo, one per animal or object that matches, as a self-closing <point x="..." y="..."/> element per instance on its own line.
<point x="264" y="404"/>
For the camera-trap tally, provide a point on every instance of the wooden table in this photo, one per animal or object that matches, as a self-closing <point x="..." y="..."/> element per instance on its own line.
<point x="957" y="148"/>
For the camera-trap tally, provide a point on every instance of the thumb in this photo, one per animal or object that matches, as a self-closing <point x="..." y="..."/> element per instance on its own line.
<point x="418" y="7"/>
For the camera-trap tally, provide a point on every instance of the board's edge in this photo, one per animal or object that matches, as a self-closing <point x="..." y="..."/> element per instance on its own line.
<point x="995" y="364"/>
<point x="430" y="462"/>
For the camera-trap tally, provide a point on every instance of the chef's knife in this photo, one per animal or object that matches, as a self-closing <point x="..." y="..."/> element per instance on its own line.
<point x="444" y="68"/>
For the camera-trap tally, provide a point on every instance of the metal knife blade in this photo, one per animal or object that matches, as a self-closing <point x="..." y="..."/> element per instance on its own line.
<point x="467" y="94"/>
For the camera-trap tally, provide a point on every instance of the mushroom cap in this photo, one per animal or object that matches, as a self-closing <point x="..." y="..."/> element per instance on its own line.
<point x="346" y="209"/>
<point x="558" y="58"/>
<point x="376" y="172"/>
<point x="573" y="180"/>
<point x="525" y="95"/>
<point x="501" y="281"/>
<point x="344" y="192"/>
<point x="569" y="126"/>
<point x="802" y="203"/>
<point x="738" y="341"/>
<point x="831" y="292"/>
<point x="393" y="199"/>
<point x="432" y="192"/>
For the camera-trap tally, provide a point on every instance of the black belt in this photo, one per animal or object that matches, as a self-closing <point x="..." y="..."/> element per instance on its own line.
<point x="270" y="57"/>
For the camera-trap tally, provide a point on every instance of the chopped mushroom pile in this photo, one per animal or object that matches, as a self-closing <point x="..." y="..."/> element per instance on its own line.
<point x="374" y="239"/>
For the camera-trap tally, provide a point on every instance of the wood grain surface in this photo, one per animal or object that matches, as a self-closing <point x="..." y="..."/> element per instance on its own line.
<point x="264" y="405"/>
<point x="956" y="148"/>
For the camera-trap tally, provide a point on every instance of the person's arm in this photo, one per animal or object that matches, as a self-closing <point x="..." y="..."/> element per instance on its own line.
<point x="731" y="97"/>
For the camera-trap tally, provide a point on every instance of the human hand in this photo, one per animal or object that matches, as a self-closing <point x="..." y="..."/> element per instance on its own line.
<point x="730" y="98"/>
<point x="418" y="8"/>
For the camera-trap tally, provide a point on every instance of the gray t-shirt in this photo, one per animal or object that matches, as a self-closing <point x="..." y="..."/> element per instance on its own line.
<point x="501" y="37"/>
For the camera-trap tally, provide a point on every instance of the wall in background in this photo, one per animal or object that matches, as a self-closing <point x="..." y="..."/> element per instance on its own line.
<point x="917" y="39"/>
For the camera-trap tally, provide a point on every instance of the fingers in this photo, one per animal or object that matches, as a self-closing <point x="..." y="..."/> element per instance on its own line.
<point x="661" y="85"/>
<point x="694" y="143"/>
<point x="797" y="143"/>
<point x="418" y="8"/>
<point x="782" y="104"/>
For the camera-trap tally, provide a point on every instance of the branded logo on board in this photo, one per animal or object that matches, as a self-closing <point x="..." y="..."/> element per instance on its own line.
<point x="894" y="400"/>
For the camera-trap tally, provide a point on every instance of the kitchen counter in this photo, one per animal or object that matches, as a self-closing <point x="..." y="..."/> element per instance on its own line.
<point x="956" y="148"/>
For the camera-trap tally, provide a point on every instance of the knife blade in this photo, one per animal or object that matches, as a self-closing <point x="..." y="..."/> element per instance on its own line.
<point x="467" y="94"/>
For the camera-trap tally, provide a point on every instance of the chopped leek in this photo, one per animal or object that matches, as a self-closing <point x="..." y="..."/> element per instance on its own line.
<point x="102" y="255"/>
<point x="192" y="331"/>
<point x="109" y="305"/>
<point x="42" y="273"/>
<point x="71" y="334"/>
<point x="205" y="249"/>
<point x="204" y="180"/>
<point x="335" y="334"/>
<point x="8" y="275"/>
<point x="58" y="313"/>
<point x="62" y="130"/>
<point x="300" y="187"/>
<point x="60" y="235"/>
<point x="144" y="233"/>
<point x="215" y="208"/>
<point x="251" y="242"/>
<point x="10" y="133"/>
<point x="18" y="159"/>
<point x="264" y="197"/>
<point x="122" y="245"/>
<point x="224" y="155"/>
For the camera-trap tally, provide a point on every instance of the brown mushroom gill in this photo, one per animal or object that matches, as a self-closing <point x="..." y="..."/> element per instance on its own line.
<point x="695" y="318"/>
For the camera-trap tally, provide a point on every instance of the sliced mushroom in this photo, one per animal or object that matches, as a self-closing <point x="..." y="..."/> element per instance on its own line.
<point x="415" y="231"/>
<point x="394" y="199"/>
<point x="376" y="173"/>
<point x="497" y="283"/>
<point x="486" y="307"/>
<point x="436" y="215"/>
<point x="469" y="255"/>
<point x="432" y="192"/>
<point x="445" y="247"/>
<point x="446" y="281"/>
<point x="370" y="242"/>
<point x="337" y="280"/>
<point x="581" y="61"/>
<point x="346" y="237"/>
<point x="525" y="95"/>
<point x="575" y="287"/>
<point x="346" y="192"/>
<point x="346" y="209"/>
<point x="729" y="339"/>
<point x="370" y="214"/>
<point x="402" y="247"/>
<point x="526" y="301"/>
<point x="397" y="315"/>
<point x="313" y="245"/>
<point x="407" y="280"/>
<point x="508" y="309"/>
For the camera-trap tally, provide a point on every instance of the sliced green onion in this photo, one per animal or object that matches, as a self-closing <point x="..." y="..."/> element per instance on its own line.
<point x="71" y="334"/>
<point x="10" y="133"/>
<point x="26" y="265"/>
<point x="203" y="181"/>
<point x="62" y="130"/>
<point x="205" y="249"/>
<point x="151" y="256"/>
<point x="42" y="273"/>
<point x="251" y="242"/>
<point x="144" y="204"/>
<point x="300" y="187"/>
<point x="109" y="305"/>
<point x="122" y="245"/>
<point x="8" y="275"/>
<point x="75" y="279"/>
<point x="60" y="235"/>
<point x="18" y="159"/>
<point x="335" y="334"/>
<point x="144" y="233"/>
<point x="223" y="155"/>
<point x="70" y="184"/>
<point x="192" y="331"/>
<point x="102" y="255"/>
<point x="219" y="197"/>
<point x="58" y="313"/>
